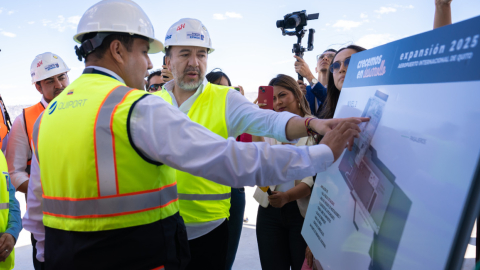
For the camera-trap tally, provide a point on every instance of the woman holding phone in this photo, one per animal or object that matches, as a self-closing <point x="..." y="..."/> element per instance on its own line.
<point x="280" y="216"/>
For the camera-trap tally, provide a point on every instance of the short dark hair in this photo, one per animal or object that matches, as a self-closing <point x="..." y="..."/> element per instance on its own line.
<point x="331" y="50"/>
<point x="157" y="72"/>
<point x="167" y="51"/>
<point x="215" y="76"/>
<point x="125" y="39"/>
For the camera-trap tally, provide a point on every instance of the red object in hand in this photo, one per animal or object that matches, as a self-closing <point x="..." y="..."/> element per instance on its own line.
<point x="265" y="96"/>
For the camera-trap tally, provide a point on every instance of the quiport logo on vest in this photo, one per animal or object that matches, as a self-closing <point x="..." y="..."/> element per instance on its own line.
<point x="52" y="108"/>
<point x="67" y="105"/>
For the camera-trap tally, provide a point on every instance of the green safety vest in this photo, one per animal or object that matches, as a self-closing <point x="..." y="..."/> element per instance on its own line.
<point x="93" y="177"/>
<point x="202" y="200"/>
<point x="9" y="263"/>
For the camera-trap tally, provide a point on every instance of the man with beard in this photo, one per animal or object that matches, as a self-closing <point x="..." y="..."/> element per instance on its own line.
<point x="204" y="205"/>
<point x="316" y="92"/>
<point x="49" y="75"/>
<point x="101" y="194"/>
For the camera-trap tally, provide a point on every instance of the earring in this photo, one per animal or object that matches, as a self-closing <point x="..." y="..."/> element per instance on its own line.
<point x="299" y="105"/>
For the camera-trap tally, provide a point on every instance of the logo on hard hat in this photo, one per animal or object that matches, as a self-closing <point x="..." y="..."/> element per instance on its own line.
<point x="195" y="35"/>
<point x="52" y="108"/>
<point x="180" y="27"/>
<point x="204" y="28"/>
<point x="39" y="63"/>
<point x="168" y="37"/>
<point x="54" y="56"/>
<point x="52" y="66"/>
<point x="32" y="74"/>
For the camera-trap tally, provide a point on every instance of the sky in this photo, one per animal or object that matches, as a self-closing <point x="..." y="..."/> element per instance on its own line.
<point x="248" y="46"/>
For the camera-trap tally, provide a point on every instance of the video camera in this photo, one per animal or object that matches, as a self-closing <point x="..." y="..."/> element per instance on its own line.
<point x="297" y="20"/>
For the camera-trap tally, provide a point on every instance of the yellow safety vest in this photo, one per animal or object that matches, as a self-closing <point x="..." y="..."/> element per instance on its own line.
<point x="93" y="177"/>
<point x="202" y="200"/>
<point x="9" y="263"/>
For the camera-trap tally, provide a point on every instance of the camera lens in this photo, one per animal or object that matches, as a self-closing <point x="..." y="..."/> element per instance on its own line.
<point x="280" y="23"/>
<point x="292" y="22"/>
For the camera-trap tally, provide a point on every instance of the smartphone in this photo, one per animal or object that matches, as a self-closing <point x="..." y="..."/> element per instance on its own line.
<point x="164" y="64"/>
<point x="265" y="95"/>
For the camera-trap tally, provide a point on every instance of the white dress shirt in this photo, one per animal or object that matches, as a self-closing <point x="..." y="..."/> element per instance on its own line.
<point x="18" y="150"/>
<point x="242" y="116"/>
<point x="174" y="140"/>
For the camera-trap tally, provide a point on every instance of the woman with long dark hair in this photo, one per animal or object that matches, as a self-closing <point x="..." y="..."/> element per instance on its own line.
<point x="336" y="76"/>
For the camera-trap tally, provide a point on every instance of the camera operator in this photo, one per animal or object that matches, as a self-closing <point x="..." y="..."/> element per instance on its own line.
<point x="316" y="92"/>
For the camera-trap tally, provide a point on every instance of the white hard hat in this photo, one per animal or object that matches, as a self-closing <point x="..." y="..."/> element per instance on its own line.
<point x="188" y="32"/>
<point x="119" y="16"/>
<point x="46" y="65"/>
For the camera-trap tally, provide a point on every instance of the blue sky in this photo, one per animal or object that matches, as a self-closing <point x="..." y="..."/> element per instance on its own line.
<point x="248" y="46"/>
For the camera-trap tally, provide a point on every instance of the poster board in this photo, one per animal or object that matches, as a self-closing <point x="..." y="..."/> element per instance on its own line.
<point x="406" y="196"/>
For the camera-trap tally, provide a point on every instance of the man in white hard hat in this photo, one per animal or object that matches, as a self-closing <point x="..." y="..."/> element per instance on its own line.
<point x="49" y="75"/>
<point x="108" y="201"/>
<point x="204" y="205"/>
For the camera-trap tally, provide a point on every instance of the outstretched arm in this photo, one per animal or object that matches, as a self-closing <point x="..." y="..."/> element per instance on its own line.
<point x="165" y="134"/>
<point x="443" y="13"/>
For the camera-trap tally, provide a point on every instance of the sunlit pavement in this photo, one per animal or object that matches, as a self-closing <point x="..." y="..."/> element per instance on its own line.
<point x="247" y="255"/>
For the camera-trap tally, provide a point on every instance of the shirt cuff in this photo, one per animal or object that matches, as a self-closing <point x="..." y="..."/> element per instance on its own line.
<point x="322" y="157"/>
<point x="281" y="127"/>
<point x="18" y="182"/>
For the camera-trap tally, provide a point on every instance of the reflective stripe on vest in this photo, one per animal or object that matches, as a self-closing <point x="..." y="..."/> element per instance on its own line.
<point x="202" y="200"/>
<point x="109" y="202"/>
<point x="35" y="135"/>
<point x="93" y="178"/>
<point x="110" y="206"/>
<point x="30" y="116"/>
<point x="8" y="262"/>
<point x="106" y="172"/>
<point x="3" y="127"/>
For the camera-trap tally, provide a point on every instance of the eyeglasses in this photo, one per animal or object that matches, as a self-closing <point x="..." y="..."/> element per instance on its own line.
<point x="154" y="87"/>
<point x="323" y="55"/>
<point x="335" y="67"/>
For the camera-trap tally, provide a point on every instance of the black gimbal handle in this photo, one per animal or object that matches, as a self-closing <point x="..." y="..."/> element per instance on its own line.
<point x="299" y="54"/>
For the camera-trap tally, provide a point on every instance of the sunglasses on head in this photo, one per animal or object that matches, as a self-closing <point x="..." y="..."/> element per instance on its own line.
<point x="155" y="86"/>
<point x="335" y="67"/>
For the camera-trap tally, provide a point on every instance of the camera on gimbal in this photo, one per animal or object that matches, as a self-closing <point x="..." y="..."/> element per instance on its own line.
<point x="298" y="20"/>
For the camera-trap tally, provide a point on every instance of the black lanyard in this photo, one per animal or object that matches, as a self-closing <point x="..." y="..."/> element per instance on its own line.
<point x="96" y="71"/>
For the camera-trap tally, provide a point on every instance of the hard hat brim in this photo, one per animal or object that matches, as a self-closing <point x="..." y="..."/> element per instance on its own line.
<point x="46" y="77"/>
<point x="156" y="45"/>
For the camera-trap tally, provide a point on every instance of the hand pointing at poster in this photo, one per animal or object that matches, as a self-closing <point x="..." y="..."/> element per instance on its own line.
<point x="342" y="135"/>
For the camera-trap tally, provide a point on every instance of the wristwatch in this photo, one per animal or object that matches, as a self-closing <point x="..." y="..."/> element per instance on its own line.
<point x="314" y="81"/>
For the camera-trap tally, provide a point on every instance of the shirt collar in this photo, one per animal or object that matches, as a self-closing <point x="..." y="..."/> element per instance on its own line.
<point x="109" y="72"/>
<point x="44" y="102"/>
